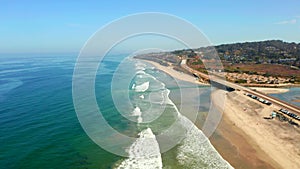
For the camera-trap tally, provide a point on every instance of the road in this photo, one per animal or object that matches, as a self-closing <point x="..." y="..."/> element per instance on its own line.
<point x="275" y="101"/>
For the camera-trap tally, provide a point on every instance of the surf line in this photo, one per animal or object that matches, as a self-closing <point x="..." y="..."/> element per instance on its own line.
<point x="143" y="153"/>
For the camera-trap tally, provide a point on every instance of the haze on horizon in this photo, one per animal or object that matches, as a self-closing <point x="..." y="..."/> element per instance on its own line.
<point x="54" y="27"/>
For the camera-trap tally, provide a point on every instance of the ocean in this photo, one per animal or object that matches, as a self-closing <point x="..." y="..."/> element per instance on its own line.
<point x="40" y="129"/>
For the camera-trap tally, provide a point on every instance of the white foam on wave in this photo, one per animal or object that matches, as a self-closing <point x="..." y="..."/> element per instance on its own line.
<point x="167" y="100"/>
<point x="143" y="87"/>
<point x="137" y="112"/>
<point x="140" y="66"/>
<point x="196" y="151"/>
<point x="133" y="86"/>
<point x="159" y="97"/>
<point x="145" y="75"/>
<point x="142" y="96"/>
<point x="170" y="102"/>
<point x="144" y="153"/>
<point x="139" y="119"/>
<point x="140" y="72"/>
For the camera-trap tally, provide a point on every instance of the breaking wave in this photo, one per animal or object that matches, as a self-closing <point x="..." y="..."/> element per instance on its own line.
<point x="142" y="88"/>
<point x="144" y="153"/>
<point x="137" y="112"/>
<point x="150" y="101"/>
<point x="196" y="151"/>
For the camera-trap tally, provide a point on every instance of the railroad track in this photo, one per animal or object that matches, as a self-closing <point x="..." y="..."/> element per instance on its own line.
<point x="292" y="108"/>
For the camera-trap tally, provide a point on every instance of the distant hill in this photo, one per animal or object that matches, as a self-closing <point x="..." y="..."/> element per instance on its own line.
<point x="271" y="59"/>
<point x="270" y="51"/>
<point x="261" y="51"/>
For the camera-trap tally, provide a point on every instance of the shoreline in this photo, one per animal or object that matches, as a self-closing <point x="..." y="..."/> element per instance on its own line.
<point x="236" y="148"/>
<point x="232" y="141"/>
<point x="175" y="74"/>
<point x="274" y="142"/>
<point x="289" y="85"/>
<point x="188" y="78"/>
<point x="270" y="90"/>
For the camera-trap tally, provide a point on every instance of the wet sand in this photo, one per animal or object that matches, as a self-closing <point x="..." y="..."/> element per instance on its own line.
<point x="235" y="146"/>
<point x="252" y="145"/>
<point x="177" y="75"/>
<point x="274" y="142"/>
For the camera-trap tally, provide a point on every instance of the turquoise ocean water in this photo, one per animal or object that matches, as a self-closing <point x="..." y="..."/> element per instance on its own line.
<point x="39" y="127"/>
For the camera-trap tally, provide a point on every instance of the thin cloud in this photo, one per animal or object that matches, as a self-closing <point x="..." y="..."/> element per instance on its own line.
<point x="293" y="21"/>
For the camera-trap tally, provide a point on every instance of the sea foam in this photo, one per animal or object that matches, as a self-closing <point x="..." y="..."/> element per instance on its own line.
<point x="140" y="72"/>
<point x="144" y="153"/>
<point x="143" y="87"/>
<point x="142" y="96"/>
<point x="137" y="112"/>
<point x="193" y="152"/>
<point x="196" y="151"/>
<point x="140" y="66"/>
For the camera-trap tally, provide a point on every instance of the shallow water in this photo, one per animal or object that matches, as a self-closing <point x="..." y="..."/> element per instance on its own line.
<point x="291" y="96"/>
<point x="39" y="127"/>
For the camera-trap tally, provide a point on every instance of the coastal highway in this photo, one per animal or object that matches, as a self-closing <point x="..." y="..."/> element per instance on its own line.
<point x="274" y="101"/>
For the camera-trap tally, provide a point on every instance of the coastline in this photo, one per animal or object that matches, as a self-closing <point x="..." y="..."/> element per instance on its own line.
<point x="188" y="78"/>
<point x="237" y="144"/>
<point x="235" y="147"/>
<point x="275" y="142"/>
<point x="270" y="90"/>
<point x="175" y="74"/>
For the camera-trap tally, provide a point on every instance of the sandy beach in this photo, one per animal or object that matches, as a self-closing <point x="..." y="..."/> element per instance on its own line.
<point x="269" y="90"/>
<point x="244" y="138"/>
<point x="177" y="75"/>
<point x="276" y="142"/>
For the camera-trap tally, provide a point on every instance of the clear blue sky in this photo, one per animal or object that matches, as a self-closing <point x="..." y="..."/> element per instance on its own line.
<point x="55" y="26"/>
